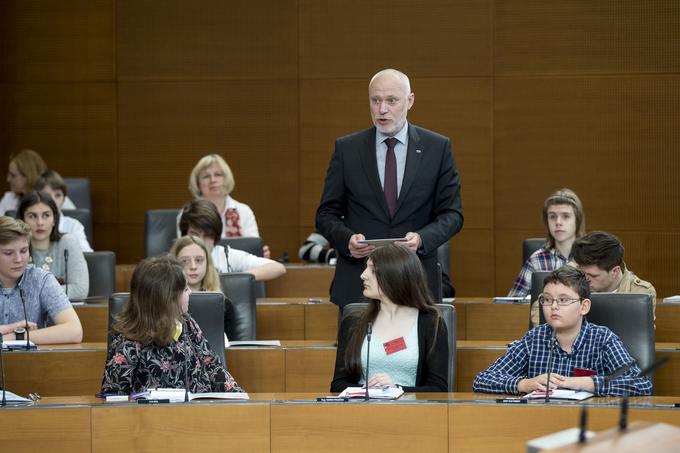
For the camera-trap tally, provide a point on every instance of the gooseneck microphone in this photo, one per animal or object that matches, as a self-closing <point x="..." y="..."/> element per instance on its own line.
<point x="582" y="425"/>
<point x="623" y="418"/>
<point x="66" y="271"/>
<point x="550" y="364"/>
<point x="186" y="363"/>
<point x="23" y="304"/>
<point x="369" y="330"/>
<point x="226" y="255"/>
<point x="2" y="370"/>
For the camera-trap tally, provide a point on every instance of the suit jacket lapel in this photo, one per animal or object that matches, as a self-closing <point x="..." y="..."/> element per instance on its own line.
<point x="414" y="155"/>
<point x="370" y="165"/>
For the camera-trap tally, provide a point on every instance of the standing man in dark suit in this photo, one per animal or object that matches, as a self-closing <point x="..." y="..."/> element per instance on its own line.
<point x="390" y="181"/>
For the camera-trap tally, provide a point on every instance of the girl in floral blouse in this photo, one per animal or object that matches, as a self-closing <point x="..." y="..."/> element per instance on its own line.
<point x="157" y="344"/>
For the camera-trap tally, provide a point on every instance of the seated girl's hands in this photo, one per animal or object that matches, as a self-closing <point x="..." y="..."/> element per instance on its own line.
<point x="381" y="380"/>
<point x="540" y="382"/>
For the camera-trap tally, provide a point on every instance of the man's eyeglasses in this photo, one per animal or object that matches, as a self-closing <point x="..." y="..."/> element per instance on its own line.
<point x="562" y="301"/>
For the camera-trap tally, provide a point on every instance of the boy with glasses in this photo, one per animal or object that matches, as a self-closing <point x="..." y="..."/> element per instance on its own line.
<point x="582" y="353"/>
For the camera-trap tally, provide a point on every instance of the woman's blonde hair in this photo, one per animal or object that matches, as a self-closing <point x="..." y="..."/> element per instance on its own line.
<point x="151" y="314"/>
<point x="205" y="162"/>
<point x="211" y="280"/>
<point x="30" y="165"/>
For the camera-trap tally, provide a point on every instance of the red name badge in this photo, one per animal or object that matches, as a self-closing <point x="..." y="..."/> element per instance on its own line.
<point x="396" y="345"/>
<point x="581" y="372"/>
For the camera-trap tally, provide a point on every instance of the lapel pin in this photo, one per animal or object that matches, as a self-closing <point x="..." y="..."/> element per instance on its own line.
<point x="419" y="151"/>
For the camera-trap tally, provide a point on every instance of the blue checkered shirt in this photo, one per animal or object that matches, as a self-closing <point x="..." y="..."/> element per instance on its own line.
<point x="596" y="348"/>
<point x="43" y="294"/>
<point x="541" y="260"/>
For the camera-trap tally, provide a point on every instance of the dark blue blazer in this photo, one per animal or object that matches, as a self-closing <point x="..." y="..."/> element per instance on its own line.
<point x="353" y="202"/>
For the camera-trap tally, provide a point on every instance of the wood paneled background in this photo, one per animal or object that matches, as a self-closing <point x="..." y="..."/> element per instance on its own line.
<point x="535" y="94"/>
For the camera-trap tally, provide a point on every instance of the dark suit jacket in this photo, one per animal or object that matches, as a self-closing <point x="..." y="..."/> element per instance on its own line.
<point x="432" y="369"/>
<point x="353" y="202"/>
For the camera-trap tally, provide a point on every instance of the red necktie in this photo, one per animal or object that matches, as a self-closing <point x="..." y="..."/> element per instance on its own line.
<point x="391" y="176"/>
<point x="233" y="229"/>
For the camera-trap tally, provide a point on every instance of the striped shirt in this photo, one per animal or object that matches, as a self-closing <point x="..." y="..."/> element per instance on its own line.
<point x="596" y="348"/>
<point x="541" y="260"/>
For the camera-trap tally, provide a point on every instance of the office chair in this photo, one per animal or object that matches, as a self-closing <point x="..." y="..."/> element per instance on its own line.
<point x="207" y="308"/>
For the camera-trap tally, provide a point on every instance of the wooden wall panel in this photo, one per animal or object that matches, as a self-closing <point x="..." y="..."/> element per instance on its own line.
<point x="472" y="252"/>
<point x="70" y="40"/>
<point x="73" y="126"/>
<point x="207" y="40"/>
<point x="432" y="38"/>
<point x="586" y="37"/>
<point x="164" y="128"/>
<point x="614" y="140"/>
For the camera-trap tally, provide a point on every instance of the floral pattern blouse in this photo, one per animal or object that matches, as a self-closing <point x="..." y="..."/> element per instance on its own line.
<point x="132" y="367"/>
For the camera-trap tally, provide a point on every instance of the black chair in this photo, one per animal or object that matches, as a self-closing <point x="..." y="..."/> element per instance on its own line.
<point x="101" y="266"/>
<point x="529" y="246"/>
<point x="537" y="279"/>
<point x="84" y="216"/>
<point x="239" y="316"/>
<point x="448" y="314"/>
<point x="160" y="231"/>
<point x="252" y="245"/>
<point x="207" y="308"/>
<point x="631" y="317"/>
<point x="78" y="190"/>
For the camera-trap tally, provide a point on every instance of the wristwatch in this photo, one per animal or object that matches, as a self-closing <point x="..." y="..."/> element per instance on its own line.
<point x="19" y="333"/>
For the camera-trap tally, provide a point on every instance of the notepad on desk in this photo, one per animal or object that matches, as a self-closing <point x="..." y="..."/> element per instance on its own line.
<point x="388" y="393"/>
<point x="17" y="345"/>
<point x="177" y="395"/>
<point x="559" y="394"/>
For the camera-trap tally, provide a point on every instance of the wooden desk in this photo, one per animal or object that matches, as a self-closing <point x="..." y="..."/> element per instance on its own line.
<point x="437" y="422"/>
<point x="296" y="366"/>
<point x="277" y="319"/>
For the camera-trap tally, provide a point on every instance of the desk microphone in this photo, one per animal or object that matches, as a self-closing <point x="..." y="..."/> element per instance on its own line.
<point x="2" y="370"/>
<point x="186" y="364"/>
<point x="550" y="364"/>
<point x="369" y="329"/>
<point x="66" y="271"/>
<point x="23" y="304"/>
<point x="440" y="290"/>
<point x="623" y="419"/>
<point x="226" y="255"/>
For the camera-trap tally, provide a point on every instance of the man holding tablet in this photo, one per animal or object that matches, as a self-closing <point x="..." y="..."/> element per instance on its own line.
<point x="392" y="181"/>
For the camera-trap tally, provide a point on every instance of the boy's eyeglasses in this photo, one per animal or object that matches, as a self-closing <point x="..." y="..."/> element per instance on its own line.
<point x="562" y="301"/>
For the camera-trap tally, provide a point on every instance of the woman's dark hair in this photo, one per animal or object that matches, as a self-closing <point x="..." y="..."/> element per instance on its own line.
<point x="201" y="215"/>
<point x="34" y="198"/>
<point x="151" y="314"/>
<point x="401" y="278"/>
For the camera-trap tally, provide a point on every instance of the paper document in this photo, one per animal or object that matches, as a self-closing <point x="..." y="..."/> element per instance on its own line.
<point x="14" y="398"/>
<point x="255" y="343"/>
<point x="560" y="394"/>
<point x="177" y="395"/>
<point x="17" y="345"/>
<point x="388" y="393"/>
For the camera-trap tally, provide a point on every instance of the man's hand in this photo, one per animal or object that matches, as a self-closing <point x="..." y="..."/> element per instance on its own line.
<point x="412" y="241"/>
<point x="359" y="250"/>
<point x="540" y="383"/>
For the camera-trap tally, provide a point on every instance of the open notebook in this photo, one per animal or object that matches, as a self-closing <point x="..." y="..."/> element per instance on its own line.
<point x="177" y="395"/>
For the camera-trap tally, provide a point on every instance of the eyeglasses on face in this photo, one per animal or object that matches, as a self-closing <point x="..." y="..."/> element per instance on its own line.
<point x="561" y="301"/>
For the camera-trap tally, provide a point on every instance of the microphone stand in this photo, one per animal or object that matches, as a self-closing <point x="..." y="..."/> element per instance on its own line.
<point x="186" y="365"/>
<point x="550" y="360"/>
<point x="583" y="424"/>
<point x="2" y="365"/>
<point x="66" y="271"/>
<point x="623" y="418"/>
<point x="369" y="329"/>
<point x="23" y="304"/>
